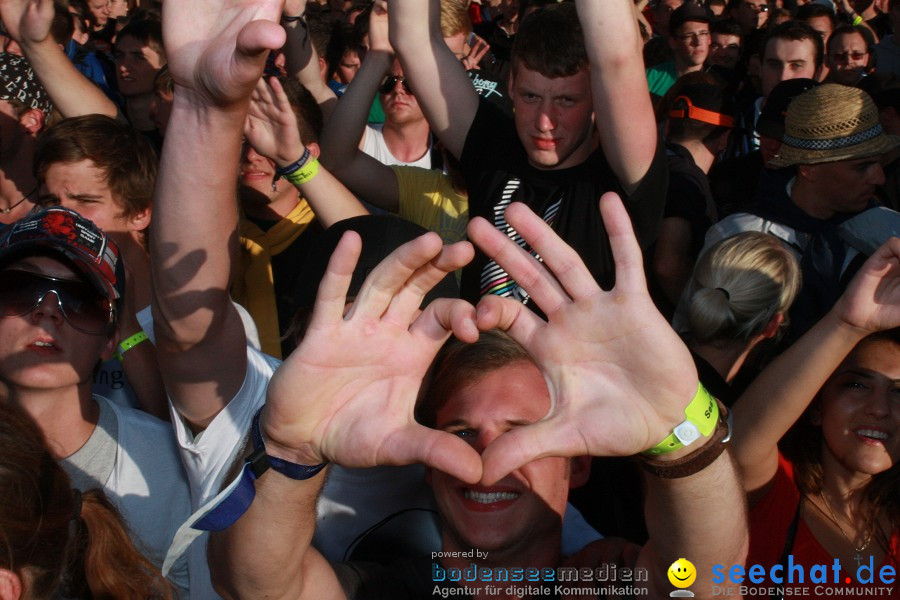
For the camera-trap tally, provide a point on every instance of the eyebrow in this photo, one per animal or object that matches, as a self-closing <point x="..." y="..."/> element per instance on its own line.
<point x="871" y="375"/>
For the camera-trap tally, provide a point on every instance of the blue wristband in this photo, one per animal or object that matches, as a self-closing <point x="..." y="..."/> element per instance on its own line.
<point x="294" y="166"/>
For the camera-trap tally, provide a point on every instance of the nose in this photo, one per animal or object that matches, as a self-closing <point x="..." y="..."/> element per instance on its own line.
<point x="48" y="307"/>
<point x="877" y="172"/>
<point x="880" y="403"/>
<point x="251" y="155"/>
<point x="546" y="119"/>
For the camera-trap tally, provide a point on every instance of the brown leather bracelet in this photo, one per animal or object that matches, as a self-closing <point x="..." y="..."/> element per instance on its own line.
<point x="697" y="460"/>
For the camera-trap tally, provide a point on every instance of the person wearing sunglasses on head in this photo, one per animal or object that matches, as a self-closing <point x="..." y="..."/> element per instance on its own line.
<point x="62" y="288"/>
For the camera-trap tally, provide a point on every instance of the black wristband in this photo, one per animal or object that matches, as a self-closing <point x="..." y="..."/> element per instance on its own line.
<point x="260" y="461"/>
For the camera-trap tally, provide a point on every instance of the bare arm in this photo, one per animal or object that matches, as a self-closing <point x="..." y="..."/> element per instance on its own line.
<point x="350" y="408"/>
<point x="301" y="60"/>
<point x="438" y="79"/>
<point x="271" y="129"/>
<point x="28" y="22"/>
<point x="372" y="180"/>
<point x="627" y="129"/>
<point x="782" y="392"/>
<point x="216" y="54"/>
<point x="672" y="264"/>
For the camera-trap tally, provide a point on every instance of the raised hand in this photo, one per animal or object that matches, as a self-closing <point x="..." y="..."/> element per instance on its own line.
<point x="294" y="8"/>
<point x="217" y="48"/>
<point x="619" y="376"/>
<point x="348" y="392"/>
<point x="27" y="21"/>
<point x="271" y="126"/>
<point x="378" y="28"/>
<point x="872" y="300"/>
<point x="478" y="48"/>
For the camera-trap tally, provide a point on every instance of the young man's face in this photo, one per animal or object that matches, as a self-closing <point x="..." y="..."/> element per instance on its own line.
<point x="845" y="186"/>
<point x="400" y="106"/>
<point x="724" y="50"/>
<point x="40" y="349"/>
<point x="136" y="66"/>
<point x="82" y="187"/>
<point x="524" y="507"/>
<point x="691" y="44"/>
<point x="255" y="180"/>
<point x="787" y="59"/>
<point x="554" y="117"/>
<point x="848" y="58"/>
<point x="101" y="11"/>
<point x="348" y="67"/>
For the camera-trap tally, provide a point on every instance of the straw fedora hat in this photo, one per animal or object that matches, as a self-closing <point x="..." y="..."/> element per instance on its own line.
<point x="830" y="123"/>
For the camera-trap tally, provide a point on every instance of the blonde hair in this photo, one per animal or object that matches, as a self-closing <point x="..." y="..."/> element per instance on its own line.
<point x="454" y="18"/>
<point x="737" y="287"/>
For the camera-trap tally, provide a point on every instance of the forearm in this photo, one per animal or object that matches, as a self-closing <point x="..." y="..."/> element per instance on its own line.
<point x="302" y="63"/>
<point x="701" y="517"/>
<point x="329" y="199"/>
<point x="72" y="94"/>
<point x="264" y="553"/>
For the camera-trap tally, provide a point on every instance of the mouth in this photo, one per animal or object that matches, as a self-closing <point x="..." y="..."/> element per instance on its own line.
<point x="44" y="347"/>
<point x="872" y="436"/>
<point x="255" y="175"/>
<point x="544" y="143"/>
<point x="484" y="501"/>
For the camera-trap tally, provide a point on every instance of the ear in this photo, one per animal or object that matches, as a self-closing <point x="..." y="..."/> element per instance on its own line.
<point x="772" y="326"/>
<point x="579" y="471"/>
<point x="33" y="120"/>
<point x="10" y="585"/>
<point x="323" y="69"/>
<point x="314" y="149"/>
<point x="808" y="172"/>
<point x="111" y="345"/>
<point x="141" y="220"/>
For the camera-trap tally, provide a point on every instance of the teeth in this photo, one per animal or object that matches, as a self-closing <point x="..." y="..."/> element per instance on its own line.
<point x="871" y="433"/>
<point x="44" y="344"/>
<point x="490" y="497"/>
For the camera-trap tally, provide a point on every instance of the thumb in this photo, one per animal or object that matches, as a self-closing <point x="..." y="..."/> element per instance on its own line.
<point x="522" y="445"/>
<point x="256" y="38"/>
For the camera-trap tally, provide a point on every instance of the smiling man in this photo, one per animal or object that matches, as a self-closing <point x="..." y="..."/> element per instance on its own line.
<point x="569" y="74"/>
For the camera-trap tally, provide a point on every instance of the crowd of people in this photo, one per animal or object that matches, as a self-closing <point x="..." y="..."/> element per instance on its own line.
<point x="399" y="298"/>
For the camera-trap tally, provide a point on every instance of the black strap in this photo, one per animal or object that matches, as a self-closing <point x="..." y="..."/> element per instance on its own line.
<point x="788" y="547"/>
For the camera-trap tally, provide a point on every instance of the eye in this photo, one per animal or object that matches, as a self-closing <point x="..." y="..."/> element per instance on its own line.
<point x="856" y="385"/>
<point x="468" y="435"/>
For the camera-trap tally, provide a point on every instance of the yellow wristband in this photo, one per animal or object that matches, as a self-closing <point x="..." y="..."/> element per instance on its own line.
<point x="857" y="20"/>
<point x="305" y="173"/>
<point x="702" y="414"/>
<point x="129" y="343"/>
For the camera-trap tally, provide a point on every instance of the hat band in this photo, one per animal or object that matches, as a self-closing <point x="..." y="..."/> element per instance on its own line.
<point x="699" y="114"/>
<point x="834" y="143"/>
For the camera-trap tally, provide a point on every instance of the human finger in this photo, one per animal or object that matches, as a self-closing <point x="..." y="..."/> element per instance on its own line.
<point x="520" y="266"/>
<point x="443" y="316"/>
<point x="409" y="298"/>
<point x="256" y="38"/>
<point x="440" y="450"/>
<point x="522" y="445"/>
<point x="565" y="264"/>
<point x="513" y="317"/>
<point x="625" y="248"/>
<point x="391" y="274"/>
<point x="332" y="294"/>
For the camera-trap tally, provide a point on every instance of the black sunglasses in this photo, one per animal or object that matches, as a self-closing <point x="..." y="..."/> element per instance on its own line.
<point x="387" y="86"/>
<point x="80" y="303"/>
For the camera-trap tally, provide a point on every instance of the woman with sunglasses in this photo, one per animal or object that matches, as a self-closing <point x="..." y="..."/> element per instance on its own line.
<point x="832" y="490"/>
<point x="61" y="288"/>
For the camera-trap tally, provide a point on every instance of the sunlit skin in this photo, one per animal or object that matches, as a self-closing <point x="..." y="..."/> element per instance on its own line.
<point x="787" y="59"/>
<point x="101" y="10"/>
<point x="82" y="187"/>
<point x="536" y="494"/>
<point x="400" y="106"/>
<point x="691" y="45"/>
<point x="859" y="411"/>
<point x="40" y="350"/>
<point x="554" y="117"/>
<point x="348" y="67"/>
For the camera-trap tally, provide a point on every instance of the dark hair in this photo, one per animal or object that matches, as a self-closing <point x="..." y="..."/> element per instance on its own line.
<point x="459" y="364"/>
<point x="148" y="32"/>
<point x="526" y="5"/>
<point x="125" y="157"/>
<point x="794" y="31"/>
<point x="551" y="42"/>
<point x="309" y="115"/>
<point x="326" y="35"/>
<point x="864" y="32"/>
<point x="812" y="10"/>
<point x="690" y="129"/>
<point x="727" y="27"/>
<point x="803" y="447"/>
<point x="62" y="27"/>
<point x="52" y="542"/>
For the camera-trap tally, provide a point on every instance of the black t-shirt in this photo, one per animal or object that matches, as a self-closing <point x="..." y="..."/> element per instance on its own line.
<point x="497" y="172"/>
<point x="689" y="196"/>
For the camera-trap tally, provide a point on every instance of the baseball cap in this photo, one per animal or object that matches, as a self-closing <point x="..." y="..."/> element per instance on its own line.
<point x="685" y="13"/>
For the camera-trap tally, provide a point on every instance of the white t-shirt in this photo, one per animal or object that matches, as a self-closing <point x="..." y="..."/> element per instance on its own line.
<point x="375" y="146"/>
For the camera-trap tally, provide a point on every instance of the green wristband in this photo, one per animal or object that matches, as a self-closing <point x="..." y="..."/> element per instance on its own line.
<point x="129" y="343"/>
<point x="702" y="414"/>
<point x="857" y="20"/>
<point x="304" y="173"/>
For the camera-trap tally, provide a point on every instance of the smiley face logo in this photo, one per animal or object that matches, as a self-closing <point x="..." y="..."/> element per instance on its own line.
<point x="682" y="573"/>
